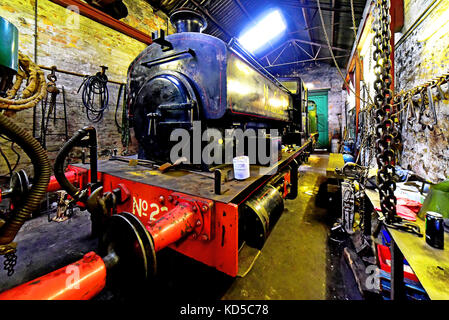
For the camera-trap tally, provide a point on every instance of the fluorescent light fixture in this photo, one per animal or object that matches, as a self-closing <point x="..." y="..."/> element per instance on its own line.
<point x="265" y="30"/>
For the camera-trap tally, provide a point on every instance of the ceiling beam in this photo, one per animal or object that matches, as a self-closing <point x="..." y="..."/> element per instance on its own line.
<point x="282" y="51"/>
<point x="307" y="23"/>
<point x="242" y="7"/>
<point x="317" y="27"/>
<point x="302" y="49"/>
<point x="275" y="49"/>
<point x="320" y="45"/>
<point x="332" y="22"/>
<point x="318" y="52"/>
<point x="306" y="6"/>
<point x="211" y="18"/>
<point x="307" y="60"/>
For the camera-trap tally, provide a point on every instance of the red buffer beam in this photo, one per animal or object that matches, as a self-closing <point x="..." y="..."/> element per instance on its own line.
<point x="85" y="278"/>
<point x="81" y="280"/>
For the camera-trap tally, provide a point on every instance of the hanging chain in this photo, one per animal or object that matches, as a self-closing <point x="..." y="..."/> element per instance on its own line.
<point x="10" y="262"/>
<point x="385" y="127"/>
<point x="384" y="123"/>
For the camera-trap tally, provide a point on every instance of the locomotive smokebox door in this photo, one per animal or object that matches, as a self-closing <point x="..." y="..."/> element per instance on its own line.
<point x="165" y="103"/>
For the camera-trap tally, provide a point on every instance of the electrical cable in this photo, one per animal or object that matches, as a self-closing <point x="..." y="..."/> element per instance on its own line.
<point x="369" y="103"/>
<point x="8" y="163"/>
<point x="332" y="53"/>
<point x="95" y="87"/>
<point x="125" y="122"/>
<point x="119" y="127"/>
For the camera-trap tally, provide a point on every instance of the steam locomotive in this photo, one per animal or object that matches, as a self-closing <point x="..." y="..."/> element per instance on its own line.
<point x="190" y="76"/>
<point x="198" y="208"/>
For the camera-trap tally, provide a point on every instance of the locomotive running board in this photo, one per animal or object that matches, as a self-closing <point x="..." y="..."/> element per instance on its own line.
<point x="197" y="183"/>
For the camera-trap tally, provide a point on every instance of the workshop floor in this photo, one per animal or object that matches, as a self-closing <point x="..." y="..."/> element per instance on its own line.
<point x="298" y="261"/>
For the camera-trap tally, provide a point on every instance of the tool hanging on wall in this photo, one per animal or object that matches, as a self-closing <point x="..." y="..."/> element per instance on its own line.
<point x="427" y="99"/>
<point x="424" y="97"/>
<point x="53" y="90"/>
<point x="94" y="91"/>
<point x="410" y="114"/>
<point x="49" y="110"/>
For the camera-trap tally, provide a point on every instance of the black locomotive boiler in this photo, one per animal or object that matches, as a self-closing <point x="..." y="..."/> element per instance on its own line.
<point x="190" y="76"/>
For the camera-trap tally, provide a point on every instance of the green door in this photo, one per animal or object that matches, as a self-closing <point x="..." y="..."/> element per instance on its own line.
<point x="320" y="99"/>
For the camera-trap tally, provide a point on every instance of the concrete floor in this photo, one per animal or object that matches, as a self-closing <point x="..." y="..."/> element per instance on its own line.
<point x="293" y="261"/>
<point x="296" y="262"/>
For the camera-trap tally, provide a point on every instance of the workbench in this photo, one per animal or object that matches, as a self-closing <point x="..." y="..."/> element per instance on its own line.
<point x="430" y="265"/>
<point x="335" y="161"/>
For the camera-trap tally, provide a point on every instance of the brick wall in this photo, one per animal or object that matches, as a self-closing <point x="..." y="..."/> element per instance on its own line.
<point x="423" y="56"/>
<point x="325" y="76"/>
<point x="80" y="49"/>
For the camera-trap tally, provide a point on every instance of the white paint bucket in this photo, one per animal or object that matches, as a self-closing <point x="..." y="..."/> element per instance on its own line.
<point x="334" y="145"/>
<point x="241" y="167"/>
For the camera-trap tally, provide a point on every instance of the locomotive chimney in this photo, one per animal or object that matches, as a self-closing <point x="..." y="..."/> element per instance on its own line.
<point x="187" y="20"/>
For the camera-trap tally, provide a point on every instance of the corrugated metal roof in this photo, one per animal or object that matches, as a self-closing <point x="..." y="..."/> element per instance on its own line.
<point x="304" y="39"/>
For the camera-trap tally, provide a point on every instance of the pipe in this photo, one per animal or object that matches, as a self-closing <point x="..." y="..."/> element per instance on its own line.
<point x="81" y="280"/>
<point x="85" y="278"/>
<point x="71" y="73"/>
<point x="293" y="180"/>
<point x="73" y="191"/>
<point x="42" y="172"/>
<point x="173" y="226"/>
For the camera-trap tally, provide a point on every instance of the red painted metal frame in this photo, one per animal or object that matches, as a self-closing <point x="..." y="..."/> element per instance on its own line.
<point x="81" y="280"/>
<point x="202" y="229"/>
<point x="76" y="176"/>
<point x="101" y="17"/>
<point x="215" y="243"/>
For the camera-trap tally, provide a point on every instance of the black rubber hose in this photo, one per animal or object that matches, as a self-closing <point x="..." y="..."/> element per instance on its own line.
<point x="62" y="155"/>
<point x="42" y="172"/>
<point x="293" y="180"/>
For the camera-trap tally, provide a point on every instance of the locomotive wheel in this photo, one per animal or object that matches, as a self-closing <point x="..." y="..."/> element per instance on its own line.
<point x="19" y="183"/>
<point x="127" y="239"/>
<point x="19" y="186"/>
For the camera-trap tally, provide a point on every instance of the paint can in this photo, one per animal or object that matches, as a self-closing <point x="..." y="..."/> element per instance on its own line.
<point x="241" y="167"/>
<point x="435" y="229"/>
<point x="334" y="145"/>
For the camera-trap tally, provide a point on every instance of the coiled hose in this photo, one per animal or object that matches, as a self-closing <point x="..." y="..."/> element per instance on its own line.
<point x="35" y="90"/>
<point x="42" y="172"/>
<point x="95" y="88"/>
